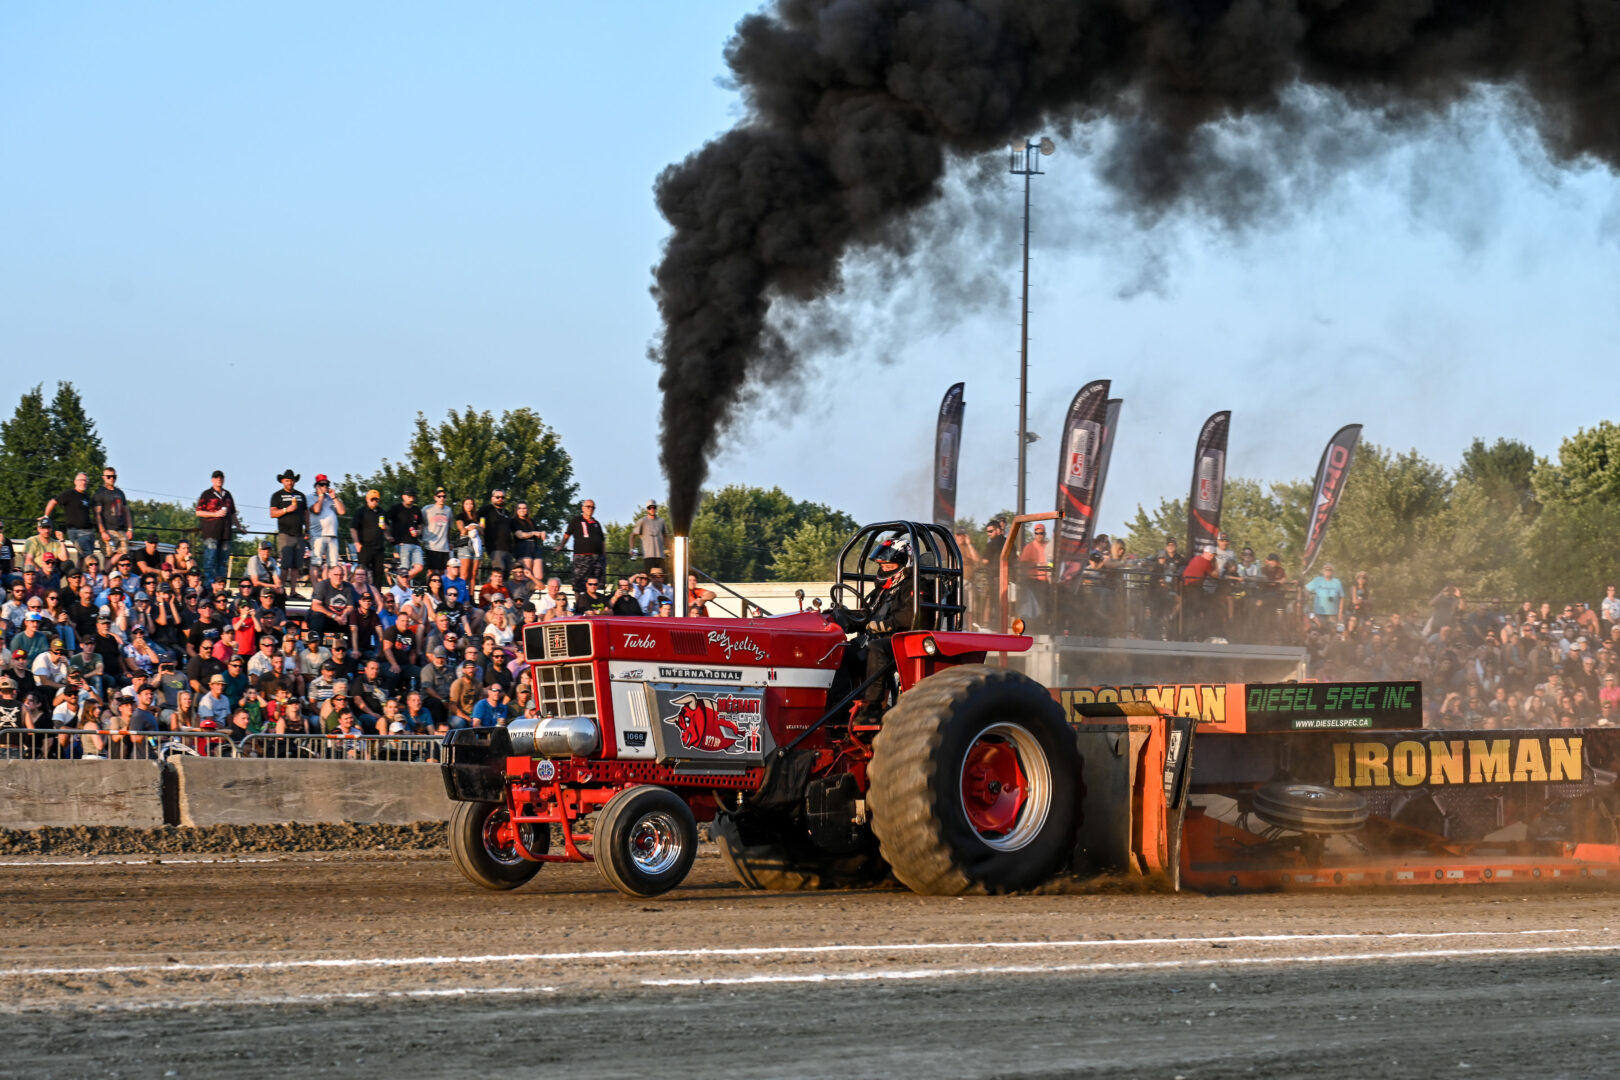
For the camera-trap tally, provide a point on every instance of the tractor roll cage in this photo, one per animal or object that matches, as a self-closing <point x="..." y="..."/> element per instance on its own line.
<point x="935" y="567"/>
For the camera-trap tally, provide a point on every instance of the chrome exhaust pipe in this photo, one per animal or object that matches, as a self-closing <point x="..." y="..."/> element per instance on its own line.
<point x="682" y="561"/>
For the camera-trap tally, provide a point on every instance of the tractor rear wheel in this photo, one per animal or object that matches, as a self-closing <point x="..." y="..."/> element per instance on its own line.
<point x="772" y="863"/>
<point x="484" y="847"/>
<point x="974" y="783"/>
<point x="645" y="840"/>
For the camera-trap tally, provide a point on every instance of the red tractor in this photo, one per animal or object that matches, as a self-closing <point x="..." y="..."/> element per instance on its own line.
<point x="827" y="750"/>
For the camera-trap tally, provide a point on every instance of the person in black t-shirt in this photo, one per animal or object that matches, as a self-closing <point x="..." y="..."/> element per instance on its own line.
<point x="367" y="531"/>
<point x="216" y="516"/>
<point x="78" y="516"/>
<point x="112" y="513"/>
<point x="589" y="545"/>
<point x="496" y="525"/>
<point x="290" y="509"/>
<point x="405" y="528"/>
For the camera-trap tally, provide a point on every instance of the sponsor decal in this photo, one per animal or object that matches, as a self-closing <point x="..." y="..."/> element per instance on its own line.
<point x="723" y="674"/>
<point x="639" y="641"/>
<point x="545" y="770"/>
<point x="635" y="738"/>
<point x="1437" y="762"/>
<point x="633" y="673"/>
<point x="724" y="723"/>
<point x="729" y="645"/>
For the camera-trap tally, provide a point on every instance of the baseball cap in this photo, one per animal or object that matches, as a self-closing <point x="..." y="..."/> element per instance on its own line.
<point x="327" y="665"/>
<point x="210" y="723"/>
<point x="373" y="494"/>
<point x="321" y="478"/>
<point x="397" y="727"/>
<point x="218" y="474"/>
<point x="1273" y="557"/>
<point x="128" y="693"/>
<point x="43" y="523"/>
<point x="8" y="682"/>
<point x="216" y="678"/>
<point x="35" y="616"/>
<point x="409" y="491"/>
<point x="438" y="650"/>
<point x="1327" y="566"/>
<point x="1222" y="535"/>
<point x="265" y="543"/>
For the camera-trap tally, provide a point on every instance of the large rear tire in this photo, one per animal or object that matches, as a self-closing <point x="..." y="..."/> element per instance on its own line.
<point x="481" y="845"/>
<point x="772" y="863"/>
<point x="645" y="840"/>
<point x="974" y="783"/>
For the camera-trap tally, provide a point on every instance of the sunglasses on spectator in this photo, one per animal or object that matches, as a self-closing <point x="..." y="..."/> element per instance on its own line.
<point x="109" y="476"/>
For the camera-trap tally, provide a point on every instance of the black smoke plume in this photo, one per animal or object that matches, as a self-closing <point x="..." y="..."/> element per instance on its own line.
<point x="855" y="108"/>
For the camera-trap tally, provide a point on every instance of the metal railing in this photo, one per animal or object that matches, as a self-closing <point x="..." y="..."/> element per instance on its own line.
<point x="83" y="744"/>
<point x="1147" y="603"/>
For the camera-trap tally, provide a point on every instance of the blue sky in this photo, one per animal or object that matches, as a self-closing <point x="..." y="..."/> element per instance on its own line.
<point x="258" y="236"/>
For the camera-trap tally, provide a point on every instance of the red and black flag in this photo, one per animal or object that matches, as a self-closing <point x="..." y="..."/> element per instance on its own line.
<point x="1208" y="484"/>
<point x="1080" y="476"/>
<point x="1110" y="425"/>
<point x="1330" y="474"/>
<point x="947" y="451"/>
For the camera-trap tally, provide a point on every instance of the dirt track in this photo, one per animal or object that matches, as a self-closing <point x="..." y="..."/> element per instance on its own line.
<point x="392" y="966"/>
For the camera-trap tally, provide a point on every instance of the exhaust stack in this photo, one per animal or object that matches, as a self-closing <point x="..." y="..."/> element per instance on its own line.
<point x="681" y="568"/>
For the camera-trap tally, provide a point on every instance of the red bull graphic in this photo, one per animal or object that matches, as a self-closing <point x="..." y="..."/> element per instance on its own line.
<point x="711" y="722"/>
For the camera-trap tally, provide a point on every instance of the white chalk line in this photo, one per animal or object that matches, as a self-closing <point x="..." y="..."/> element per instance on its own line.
<point x="279" y="999"/>
<point x="1124" y="965"/>
<point x="759" y="951"/>
<point x="46" y="863"/>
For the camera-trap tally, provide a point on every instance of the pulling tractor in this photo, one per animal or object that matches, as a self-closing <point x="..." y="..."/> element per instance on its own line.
<point x="954" y="775"/>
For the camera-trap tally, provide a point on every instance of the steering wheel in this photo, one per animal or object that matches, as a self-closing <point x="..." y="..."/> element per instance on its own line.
<point x="843" y="587"/>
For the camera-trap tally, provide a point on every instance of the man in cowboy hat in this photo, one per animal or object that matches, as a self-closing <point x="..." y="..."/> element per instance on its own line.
<point x="290" y="510"/>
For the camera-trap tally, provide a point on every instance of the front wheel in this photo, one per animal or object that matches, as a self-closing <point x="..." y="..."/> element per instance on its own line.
<point x="483" y="842"/>
<point x="975" y="783"/>
<point x="645" y="840"/>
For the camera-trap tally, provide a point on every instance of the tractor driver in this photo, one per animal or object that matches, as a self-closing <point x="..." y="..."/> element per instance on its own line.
<point x="890" y="606"/>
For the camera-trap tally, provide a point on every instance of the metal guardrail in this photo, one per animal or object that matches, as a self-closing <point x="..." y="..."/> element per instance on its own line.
<point x="82" y="744"/>
<point x="338" y="747"/>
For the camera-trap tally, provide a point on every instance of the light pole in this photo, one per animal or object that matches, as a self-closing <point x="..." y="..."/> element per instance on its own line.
<point x="1026" y="162"/>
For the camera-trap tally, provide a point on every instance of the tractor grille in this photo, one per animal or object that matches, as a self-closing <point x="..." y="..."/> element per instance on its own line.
<point x="557" y="641"/>
<point x="566" y="690"/>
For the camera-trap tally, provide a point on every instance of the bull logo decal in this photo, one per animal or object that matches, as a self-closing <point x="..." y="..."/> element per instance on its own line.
<point x="717" y="725"/>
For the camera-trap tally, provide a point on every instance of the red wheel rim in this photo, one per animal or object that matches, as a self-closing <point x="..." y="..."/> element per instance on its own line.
<point x="994" y="787"/>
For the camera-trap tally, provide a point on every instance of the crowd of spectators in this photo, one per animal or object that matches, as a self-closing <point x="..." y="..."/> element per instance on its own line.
<point x="411" y="624"/>
<point x="1484" y="665"/>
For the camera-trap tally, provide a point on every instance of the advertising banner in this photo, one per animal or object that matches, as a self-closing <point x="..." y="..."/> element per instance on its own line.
<point x="1079" y="473"/>
<point x="1110" y="426"/>
<point x="1330" y="474"/>
<point x="701" y="722"/>
<point x="1208" y="483"/>
<point x="947" y="453"/>
<point x="1240" y="707"/>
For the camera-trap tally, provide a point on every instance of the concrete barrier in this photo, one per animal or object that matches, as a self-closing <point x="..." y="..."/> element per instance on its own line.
<point x="36" y="794"/>
<point x="271" y="791"/>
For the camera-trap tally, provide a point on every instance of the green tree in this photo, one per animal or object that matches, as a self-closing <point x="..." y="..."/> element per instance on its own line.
<point x="470" y="454"/>
<point x="1588" y="468"/>
<point x="170" y="521"/>
<point x="811" y="553"/>
<point x="739" y="532"/>
<point x="1388" y="523"/>
<point x="1503" y="471"/>
<point x="42" y="447"/>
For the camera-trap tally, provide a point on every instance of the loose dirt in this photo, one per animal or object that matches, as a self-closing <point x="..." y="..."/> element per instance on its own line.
<point x="389" y="964"/>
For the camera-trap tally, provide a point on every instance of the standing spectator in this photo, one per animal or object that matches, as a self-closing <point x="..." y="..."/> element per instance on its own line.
<point x="290" y="509"/>
<point x="325" y="532"/>
<point x="405" y="527"/>
<point x="1361" y="597"/>
<point x="8" y="554"/>
<point x="113" y="519"/>
<point x="995" y="539"/>
<point x="589" y="545"/>
<point x="78" y="516"/>
<point x="370" y="538"/>
<point x="652" y="533"/>
<point x="41" y="544"/>
<point x="496" y="526"/>
<point x="470" y="541"/>
<point x="1327" y="596"/>
<point x="528" y="537"/>
<point x="437" y="518"/>
<point x="1037" y="554"/>
<point x="216" y="513"/>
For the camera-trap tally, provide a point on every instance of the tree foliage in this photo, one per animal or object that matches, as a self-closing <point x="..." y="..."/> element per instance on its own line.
<point x="42" y="446"/>
<point x="752" y="534"/>
<point x="471" y="453"/>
